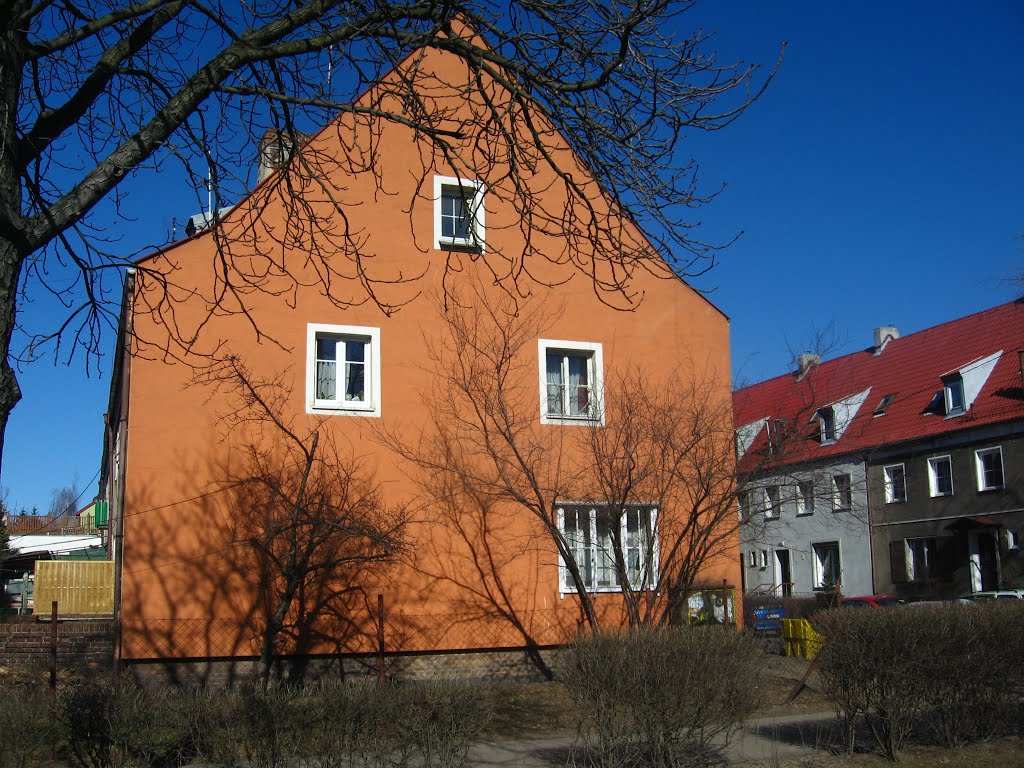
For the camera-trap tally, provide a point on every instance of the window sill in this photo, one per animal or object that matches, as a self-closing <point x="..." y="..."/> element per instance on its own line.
<point x="579" y="421"/>
<point x="941" y="496"/>
<point x="599" y="590"/>
<point x="343" y="410"/>
<point x="805" y="514"/>
<point x="993" y="489"/>
<point x="453" y="244"/>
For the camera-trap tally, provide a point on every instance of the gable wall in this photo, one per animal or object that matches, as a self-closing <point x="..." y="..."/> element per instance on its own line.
<point x="183" y="562"/>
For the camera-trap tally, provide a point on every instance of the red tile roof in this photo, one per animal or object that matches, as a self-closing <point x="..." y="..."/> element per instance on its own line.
<point x="910" y="368"/>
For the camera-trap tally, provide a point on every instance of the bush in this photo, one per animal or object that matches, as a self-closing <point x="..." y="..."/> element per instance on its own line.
<point x="949" y="671"/>
<point x="161" y="728"/>
<point x="658" y="697"/>
<point x="87" y="714"/>
<point x="25" y="725"/>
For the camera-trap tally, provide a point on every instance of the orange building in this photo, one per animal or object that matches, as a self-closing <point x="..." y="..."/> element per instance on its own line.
<point x="426" y="315"/>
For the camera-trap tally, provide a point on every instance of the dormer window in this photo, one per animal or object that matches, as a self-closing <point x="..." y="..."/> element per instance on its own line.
<point x="827" y="423"/>
<point x="961" y="386"/>
<point x="954" y="395"/>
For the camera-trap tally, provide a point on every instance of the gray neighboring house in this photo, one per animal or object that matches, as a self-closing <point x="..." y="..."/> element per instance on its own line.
<point x="929" y="429"/>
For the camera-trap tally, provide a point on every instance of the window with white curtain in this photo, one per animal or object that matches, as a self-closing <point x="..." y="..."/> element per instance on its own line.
<point x="571" y="382"/>
<point x="596" y="536"/>
<point x="343" y="369"/>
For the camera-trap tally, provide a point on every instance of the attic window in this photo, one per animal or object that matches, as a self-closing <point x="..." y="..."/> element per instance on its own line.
<point x="961" y="386"/>
<point x="954" y="395"/>
<point x="827" y="419"/>
<point x="883" y="404"/>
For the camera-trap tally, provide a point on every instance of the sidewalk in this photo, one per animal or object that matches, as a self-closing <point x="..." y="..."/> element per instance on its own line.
<point x="763" y="739"/>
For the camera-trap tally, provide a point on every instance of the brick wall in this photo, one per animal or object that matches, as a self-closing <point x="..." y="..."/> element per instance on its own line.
<point x="81" y="643"/>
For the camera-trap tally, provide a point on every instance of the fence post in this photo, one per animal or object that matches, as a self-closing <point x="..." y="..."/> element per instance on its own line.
<point x="53" y="646"/>
<point x="381" y="675"/>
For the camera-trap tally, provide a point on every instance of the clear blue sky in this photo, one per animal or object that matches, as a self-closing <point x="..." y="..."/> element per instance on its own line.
<point x="879" y="181"/>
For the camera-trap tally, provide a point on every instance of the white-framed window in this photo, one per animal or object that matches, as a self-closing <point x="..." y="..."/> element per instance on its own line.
<point x="953" y="393"/>
<point x="921" y="558"/>
<point x="1013" y="538"/>
<point x="571" y="381"/>
<point x="842" y="492"/>
<point x="805" y="497"/>
<point x="827" y="568"/>
<point x="342" y="369"/>
<point x="764" y="559"/>
<point x="940" y="476"/>
<point x="772" y="501"/>
<point x="895" y="484"/>
<point x="458" y="213"/>
<point x="989" y="466"/>
<point x="752" y="558"/>
<point x="593" y="534"/>
<point x="827" y="419"/>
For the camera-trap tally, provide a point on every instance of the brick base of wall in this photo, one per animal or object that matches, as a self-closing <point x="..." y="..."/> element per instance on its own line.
<point x="490" y="665"/>
<point x="83" y="644"/>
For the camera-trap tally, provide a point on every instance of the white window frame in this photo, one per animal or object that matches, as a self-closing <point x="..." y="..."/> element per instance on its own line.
<point x="804" y="501"/>
<point x="819" y="570"/>
<point x="368" y="407"/>
<point x="827" y="418"/>
<point x="764" y="559"/>
<point x="650" y="570"/>
<point x="890" y="473"/>
<point x="951" y="384"/>
<point x="979" y="467"/>
<point x="594" y="351"/>
<point x="836" y="505"/>
<point x="752" y="556"/>
<point x="476" y="241"/>
<point x="933" y="476"/>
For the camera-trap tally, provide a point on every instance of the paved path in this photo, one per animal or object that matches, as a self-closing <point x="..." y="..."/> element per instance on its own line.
<point x="764" y="739"/>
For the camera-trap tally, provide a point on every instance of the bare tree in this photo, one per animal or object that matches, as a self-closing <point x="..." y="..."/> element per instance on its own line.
<point x="657" y="476"/>
<point x="96" y="92"/>
<point x="63" y="501"/>
<point x="313" y="518"/>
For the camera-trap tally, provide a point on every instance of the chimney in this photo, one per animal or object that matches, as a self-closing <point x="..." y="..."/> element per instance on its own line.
<point x="883" y="335"/>
<point x="274" y="151"/>
<point x="805" y="362"/>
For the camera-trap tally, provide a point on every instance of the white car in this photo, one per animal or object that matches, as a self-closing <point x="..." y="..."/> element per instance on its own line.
<point x="996" y="594"/>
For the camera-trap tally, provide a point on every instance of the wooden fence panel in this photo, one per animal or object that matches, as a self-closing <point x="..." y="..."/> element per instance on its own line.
<point x="78" y="586"/>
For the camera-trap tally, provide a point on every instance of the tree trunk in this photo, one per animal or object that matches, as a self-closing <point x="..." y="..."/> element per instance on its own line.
<point x="13" y="243"/>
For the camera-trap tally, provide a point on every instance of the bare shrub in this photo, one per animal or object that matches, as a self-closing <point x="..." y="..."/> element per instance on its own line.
<point x="25" y="725"/>
<point x="971" y="679"/>
<point x="659" y="697"/>
<point x="445" y="719"/>
<point x="161" y="728"/>
<point x="950" y="671"/>
<point x="871" y="666"/>
<point x="87" y="713"/>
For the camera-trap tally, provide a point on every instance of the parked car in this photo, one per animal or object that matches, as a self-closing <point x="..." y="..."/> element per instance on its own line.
<point x="862" y="601"/>
<point x="871" y="601"/>
<point x="996" y="594"/>
<point x="763" y="614"/>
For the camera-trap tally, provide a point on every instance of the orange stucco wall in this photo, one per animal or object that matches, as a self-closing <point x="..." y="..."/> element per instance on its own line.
<point x="188" y="582"/>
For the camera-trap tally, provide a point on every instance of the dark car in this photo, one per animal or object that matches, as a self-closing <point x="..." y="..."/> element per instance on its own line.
<point x="763" y="614"/>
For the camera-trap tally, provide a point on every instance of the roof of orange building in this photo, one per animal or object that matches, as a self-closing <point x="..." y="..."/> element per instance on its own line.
<point x="911" y="369"/>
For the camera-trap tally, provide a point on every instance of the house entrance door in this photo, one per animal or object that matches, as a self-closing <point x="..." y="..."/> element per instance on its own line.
<point x="783" y="573"/>
<point x="984" y="559"/>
